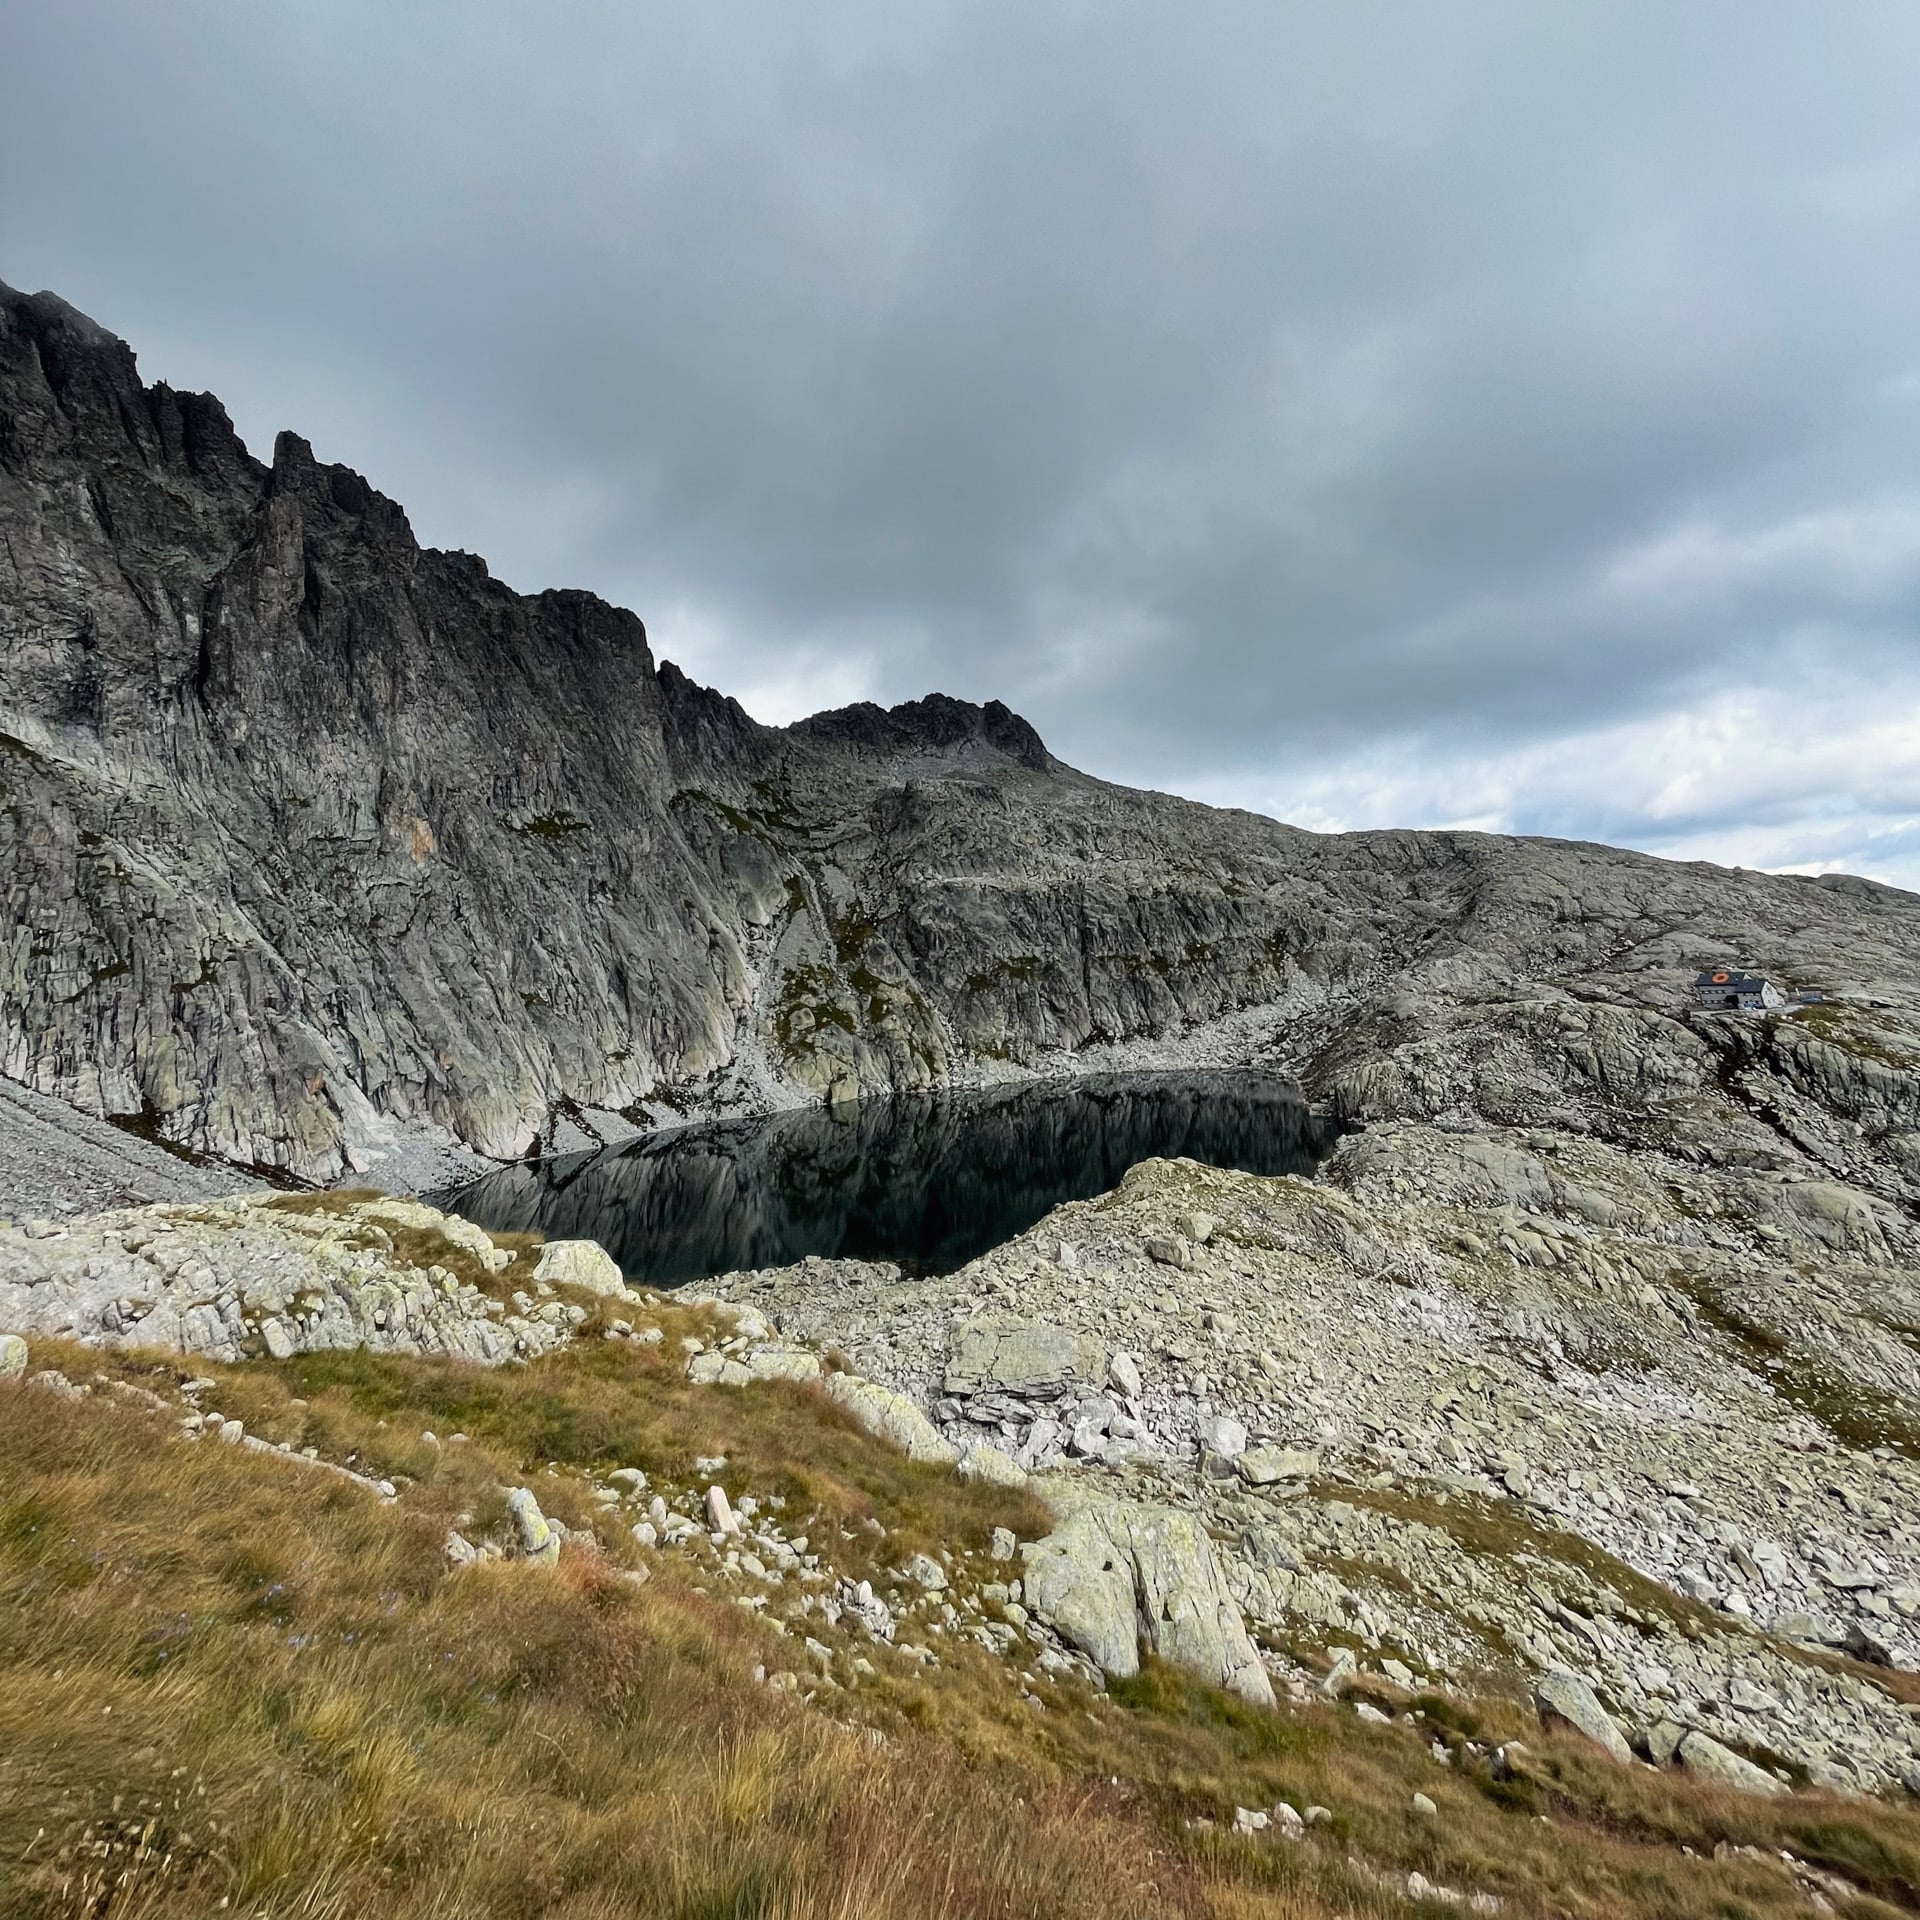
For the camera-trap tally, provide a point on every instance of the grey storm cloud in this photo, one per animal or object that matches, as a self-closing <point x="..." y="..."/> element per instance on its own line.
<point x="1488" y="412"/>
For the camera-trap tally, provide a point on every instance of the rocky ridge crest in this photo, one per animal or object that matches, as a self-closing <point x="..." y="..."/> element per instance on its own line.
<point x="322" y="847"/>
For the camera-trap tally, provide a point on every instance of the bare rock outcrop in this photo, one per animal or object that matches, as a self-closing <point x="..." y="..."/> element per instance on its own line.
<point x="891" y="1416"/>
<point x="1115" y="1575"/>
<point x="1635" y="1431"/>
<point x="276" y="1275"/>
<point x="324" y="849"/>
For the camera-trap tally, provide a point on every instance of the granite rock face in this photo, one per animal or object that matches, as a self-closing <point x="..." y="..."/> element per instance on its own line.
<point x="1116" y="1575"/>
<point x="319" y="845"/>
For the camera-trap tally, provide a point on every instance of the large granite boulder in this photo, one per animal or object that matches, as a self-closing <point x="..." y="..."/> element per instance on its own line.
<point x="1717" y="1766"/>
<point x="1565" y="1696"/>
<point x="580" y="1263"/>
<point x="1116" y="1575"/>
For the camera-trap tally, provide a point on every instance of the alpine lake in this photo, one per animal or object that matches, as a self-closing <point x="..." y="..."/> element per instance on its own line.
<point x="925" y="1181"/>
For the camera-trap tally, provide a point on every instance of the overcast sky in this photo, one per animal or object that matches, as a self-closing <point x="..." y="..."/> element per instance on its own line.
<point x="1373" y="414"/>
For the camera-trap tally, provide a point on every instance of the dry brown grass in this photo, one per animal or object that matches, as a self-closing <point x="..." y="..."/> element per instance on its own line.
<point x="226" y="1677"/>
<point x="223" y="1677"/>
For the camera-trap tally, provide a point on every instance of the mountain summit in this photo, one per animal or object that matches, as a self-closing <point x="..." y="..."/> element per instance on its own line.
<point x="323" y="845"/>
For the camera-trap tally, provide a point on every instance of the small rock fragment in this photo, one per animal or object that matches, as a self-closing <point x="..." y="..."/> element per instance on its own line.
<point x="537" y="1539"/>
<point x="720" y="1515"/>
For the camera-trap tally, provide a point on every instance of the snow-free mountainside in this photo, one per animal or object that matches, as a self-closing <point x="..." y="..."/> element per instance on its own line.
<point x="1522" y="1515"/>
<point x="317" y="839"/>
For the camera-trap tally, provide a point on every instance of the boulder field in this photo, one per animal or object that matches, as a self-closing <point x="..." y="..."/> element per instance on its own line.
<point x="1421" y="1425"/>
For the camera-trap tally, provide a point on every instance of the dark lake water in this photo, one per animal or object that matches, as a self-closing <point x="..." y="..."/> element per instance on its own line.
<point x="926" y="1180"/>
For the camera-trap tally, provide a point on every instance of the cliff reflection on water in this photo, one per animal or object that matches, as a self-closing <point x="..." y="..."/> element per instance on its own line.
<point x="926" y="1180"/>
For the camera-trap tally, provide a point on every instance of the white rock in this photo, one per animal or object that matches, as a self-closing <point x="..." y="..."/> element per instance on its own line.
<point x="1222" y="1434"/>
<point x="1114" y="1571"/>
<point x="579" y="1263"/>
<point x="892" y="1417"/>
<point x="1565" y="1696"/>
<point x="1033" y="1359"/>
<point x="991" y="1465"/>
<point x="1267" y="1466"/>
<point x="783" y="1363"/>
<point x="720" y="1514"/>
<point x="537" y="1539"/>
<point x="925" y="1571"/>
<point x="1707" y="1760"/>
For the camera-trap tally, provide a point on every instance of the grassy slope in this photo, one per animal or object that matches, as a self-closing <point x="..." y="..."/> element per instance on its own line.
<point x="230" y="1683"/>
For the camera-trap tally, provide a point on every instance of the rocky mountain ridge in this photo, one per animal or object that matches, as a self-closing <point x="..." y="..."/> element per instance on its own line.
<point x="322" y="846"/>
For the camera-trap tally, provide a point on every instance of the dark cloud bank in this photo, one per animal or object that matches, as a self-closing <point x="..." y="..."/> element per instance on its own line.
<point x="1371" y="414"/>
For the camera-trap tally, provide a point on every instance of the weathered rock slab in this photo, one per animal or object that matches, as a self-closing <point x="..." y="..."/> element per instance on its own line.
<point x="892" y="1417"/>
<point x="1026" y="1358"/>
<point x="1565" y="1696"/>
<point x="1708" y="1761"/>
<point x="1114" y="1575"/>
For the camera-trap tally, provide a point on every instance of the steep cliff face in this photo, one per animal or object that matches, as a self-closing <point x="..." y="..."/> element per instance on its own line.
<point x="313" y="840"/>
<point x="310" y="826"/>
